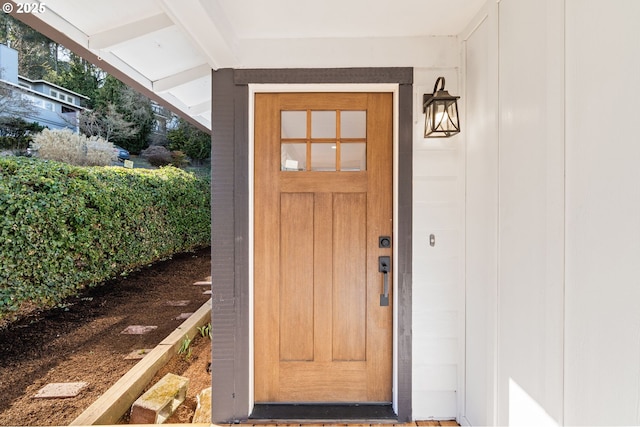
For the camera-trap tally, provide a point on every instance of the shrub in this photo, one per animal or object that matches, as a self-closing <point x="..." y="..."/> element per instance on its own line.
<point x="157" y="155"/>
<point x="75" y="149"/>
<point x="16" y="134"/>
<point x="193" y="142"/>
<point x="100" y="152"/>
<point x="64" y="146"/>
<point x="179" y="159"/>
<point x="64" y="228"/>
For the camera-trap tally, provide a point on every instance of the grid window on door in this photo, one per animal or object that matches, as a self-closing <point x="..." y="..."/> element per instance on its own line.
<point x="323" y="141"/>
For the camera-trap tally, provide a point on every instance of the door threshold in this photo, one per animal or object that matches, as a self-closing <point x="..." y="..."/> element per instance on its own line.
<point x="322" y="411"/>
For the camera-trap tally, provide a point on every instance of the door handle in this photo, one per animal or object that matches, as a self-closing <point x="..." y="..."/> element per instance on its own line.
<point x="384" y="267"/>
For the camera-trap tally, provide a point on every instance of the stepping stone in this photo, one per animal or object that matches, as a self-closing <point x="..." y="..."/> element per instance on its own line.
<point x="203" y="283"/>
<point x="179" y="303"/>
<point x="208" y="292"/>
<point x="184" y="316"/>
<point x="60" y="390"/>
<point x="138" y="329"/>
<point x="138" y="354"/>
<point x="203" y="409"/>
<point x="160" y="401"/>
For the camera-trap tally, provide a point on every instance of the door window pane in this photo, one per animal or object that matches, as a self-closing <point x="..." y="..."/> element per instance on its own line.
<point x="323" y="157"/>
<point x="323" y="124"/>
<point x="310" y="140"/>
<point x="293" y="124"/>
<point x="353" y="124"/>
<point x="353" y="156"/>
<point x="293" y="157"/>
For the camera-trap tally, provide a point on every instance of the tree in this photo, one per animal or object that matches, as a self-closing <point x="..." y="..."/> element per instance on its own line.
<point x="78" y="75"/>
<point x="15" y="133"/>
<point x="137" y="108"/>
<point x="107" y="123"/>
<point x="37" y="54"/>
<point x="190" y="140"/>
<point x="116" y="97"/>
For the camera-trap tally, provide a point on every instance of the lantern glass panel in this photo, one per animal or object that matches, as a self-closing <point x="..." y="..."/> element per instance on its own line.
<point x="442" y="119"/>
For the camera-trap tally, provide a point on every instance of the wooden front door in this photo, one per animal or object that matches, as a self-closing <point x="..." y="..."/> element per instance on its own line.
<point x="323" y="198"/>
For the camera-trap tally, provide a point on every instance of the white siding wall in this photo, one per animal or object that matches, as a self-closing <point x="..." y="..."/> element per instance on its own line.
<point x="602" y="367"/>
<point x="481" y="217"/>
<point x="515" y="215"/>
<point x="567" y="319"/>
<point x="437" y="271"/>
<point x="531" y="212"/>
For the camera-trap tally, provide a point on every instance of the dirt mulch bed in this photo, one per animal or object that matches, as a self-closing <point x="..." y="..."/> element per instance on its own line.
<point x="82" y="341"/>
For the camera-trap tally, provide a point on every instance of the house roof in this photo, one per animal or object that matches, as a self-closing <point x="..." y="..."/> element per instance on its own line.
<point x="53" y="85"/>
<point x="37" y="94"/>
<point x="167" y="48"/>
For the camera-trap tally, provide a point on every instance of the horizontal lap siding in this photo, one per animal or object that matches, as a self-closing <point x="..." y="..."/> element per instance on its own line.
<point x="437" y="279"/>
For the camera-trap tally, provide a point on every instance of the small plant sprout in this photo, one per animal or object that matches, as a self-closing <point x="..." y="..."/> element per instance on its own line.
<point x="205" y="330"/>
<point x="185" y="347"/>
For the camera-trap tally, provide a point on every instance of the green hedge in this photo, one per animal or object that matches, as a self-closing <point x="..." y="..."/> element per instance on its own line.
<point x="63" y="228"/>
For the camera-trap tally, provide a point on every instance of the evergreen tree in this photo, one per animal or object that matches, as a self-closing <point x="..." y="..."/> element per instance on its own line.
<point x="37" y="54"/>
<point x="116" y="103"/>
<point x="80" y="76"/>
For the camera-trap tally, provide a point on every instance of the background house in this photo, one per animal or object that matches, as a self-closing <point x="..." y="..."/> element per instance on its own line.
<point x="526" y="309"/>
<point x="55" y="106"/>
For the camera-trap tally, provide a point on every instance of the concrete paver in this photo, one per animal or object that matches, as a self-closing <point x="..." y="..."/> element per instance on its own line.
<point x="203" y="283"/>
<point x="138" y="329"/>
<point x="178" y="303"/>
<point x="138" y="354"/>
<point x="60" y="390"/>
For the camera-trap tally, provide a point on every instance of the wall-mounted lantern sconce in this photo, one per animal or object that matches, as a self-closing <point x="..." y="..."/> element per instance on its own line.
<point x="441" y="109"/>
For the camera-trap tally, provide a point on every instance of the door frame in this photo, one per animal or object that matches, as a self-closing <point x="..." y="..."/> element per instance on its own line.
<point x="231" y="353"/>
<point x="322" y="88"/>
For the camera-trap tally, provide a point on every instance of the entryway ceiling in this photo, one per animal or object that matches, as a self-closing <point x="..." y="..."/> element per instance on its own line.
<point x="170" y="46"/>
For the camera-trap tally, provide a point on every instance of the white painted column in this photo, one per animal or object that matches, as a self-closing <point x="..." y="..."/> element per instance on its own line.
<point x="480" y="50"/>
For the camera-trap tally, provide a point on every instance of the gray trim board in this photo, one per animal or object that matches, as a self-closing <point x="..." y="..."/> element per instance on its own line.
<point x="230" y="227"/>
<point x="325" y="75"/>
<point x="405" y="255"/>
<point x="229" y="250"/>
